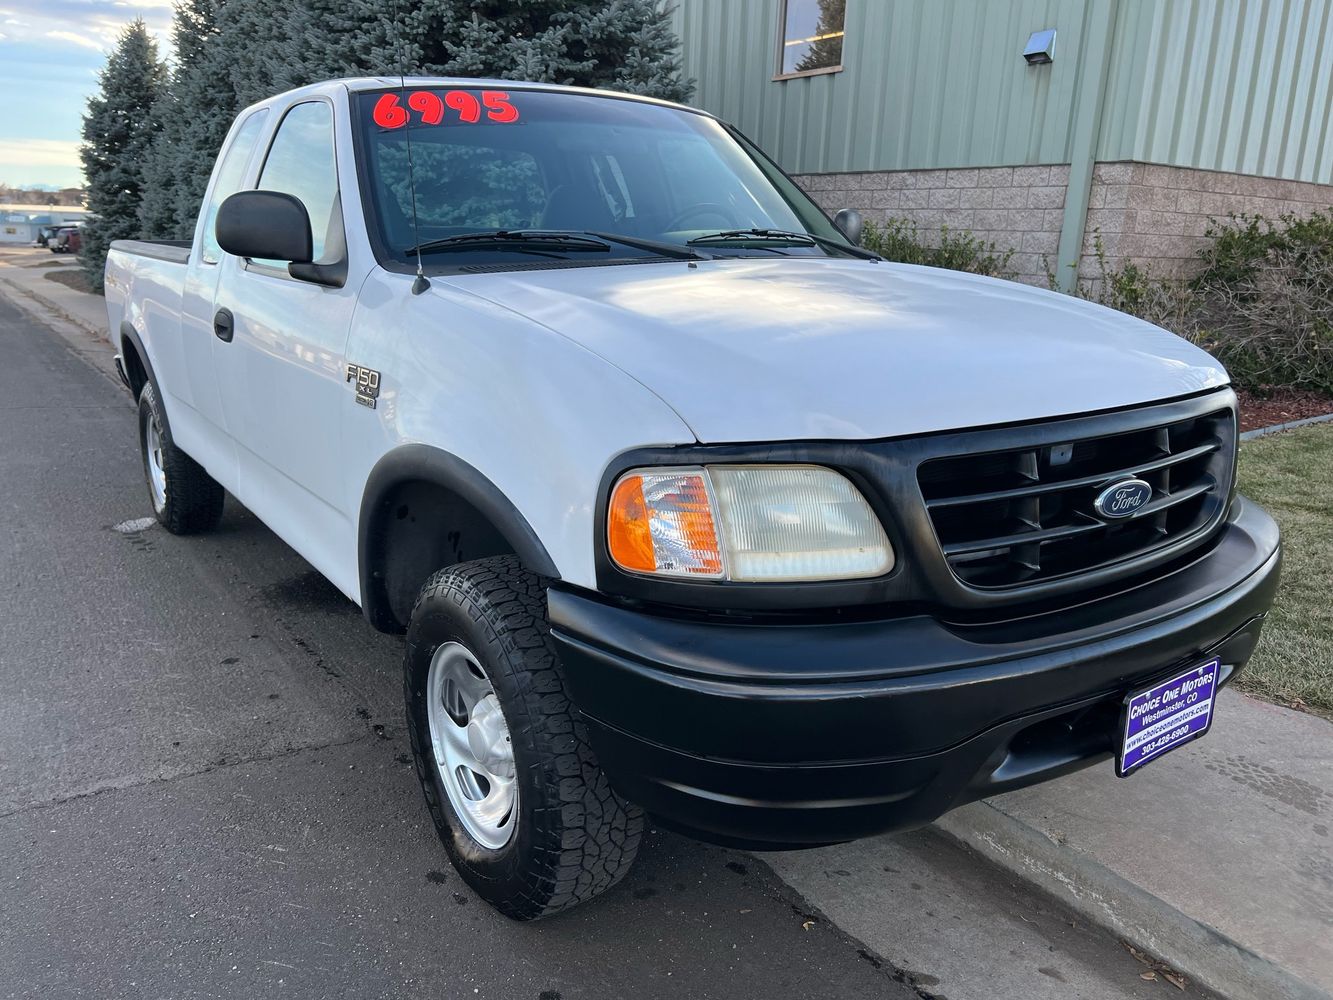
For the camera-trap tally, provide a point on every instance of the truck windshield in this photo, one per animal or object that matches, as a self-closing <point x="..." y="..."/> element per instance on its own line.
<point x="531" y="161"/>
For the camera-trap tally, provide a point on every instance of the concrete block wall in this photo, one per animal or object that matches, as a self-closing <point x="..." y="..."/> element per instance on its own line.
<point x="1018" y="208"/>
<point x="1153" y="215"/>
<point x="1156" y="216"/>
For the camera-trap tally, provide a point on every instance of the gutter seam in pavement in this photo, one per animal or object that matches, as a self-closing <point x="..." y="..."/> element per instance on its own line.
<point x="791" y="896"/>
<point x="1112" y="902"/>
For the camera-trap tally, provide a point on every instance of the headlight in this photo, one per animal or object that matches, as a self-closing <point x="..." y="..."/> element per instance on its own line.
<point x="748" y="523"/>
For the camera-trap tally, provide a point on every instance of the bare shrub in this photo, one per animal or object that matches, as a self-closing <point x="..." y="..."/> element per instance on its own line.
<point x="955" y="249"/>
<point x="1273" y="324"/>
<point x="1133" y="288"/>
<point x="1262" y="305"/>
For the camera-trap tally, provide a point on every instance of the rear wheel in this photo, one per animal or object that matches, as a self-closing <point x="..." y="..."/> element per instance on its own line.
<point x="524" y="810"/>
<point x="186" y="499"/>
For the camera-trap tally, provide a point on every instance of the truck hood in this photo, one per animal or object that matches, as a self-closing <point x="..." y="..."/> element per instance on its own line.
<point x="785" y="349"/>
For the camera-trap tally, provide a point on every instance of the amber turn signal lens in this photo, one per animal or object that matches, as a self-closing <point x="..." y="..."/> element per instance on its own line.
<point x="631" y="539"/>
<point x="661" y="522"/>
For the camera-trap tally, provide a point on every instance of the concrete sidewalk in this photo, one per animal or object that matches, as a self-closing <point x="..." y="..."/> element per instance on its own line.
<point x="23" y="273"/>
<point x="1216" y="859"/>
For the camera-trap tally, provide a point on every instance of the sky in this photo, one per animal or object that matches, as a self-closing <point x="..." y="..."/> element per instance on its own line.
<point x="50" y="52"/>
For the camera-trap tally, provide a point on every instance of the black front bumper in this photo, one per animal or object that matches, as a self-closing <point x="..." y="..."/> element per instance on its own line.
<point x="782" y="735"/>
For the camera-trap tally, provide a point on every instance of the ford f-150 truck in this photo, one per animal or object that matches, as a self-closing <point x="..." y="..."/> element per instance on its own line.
<point x="685" y="502"/>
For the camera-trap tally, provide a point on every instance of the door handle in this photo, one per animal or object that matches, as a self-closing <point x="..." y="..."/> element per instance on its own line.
<point x="224" y="325"/>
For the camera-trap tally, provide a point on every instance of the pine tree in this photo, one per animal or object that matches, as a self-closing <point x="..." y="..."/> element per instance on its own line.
<point x="231" y="53"/>
<point x="612" y="44"/>
<point x="269" y="46"/>
<point x="118" y="130"/>
<point x="195" y="113"/>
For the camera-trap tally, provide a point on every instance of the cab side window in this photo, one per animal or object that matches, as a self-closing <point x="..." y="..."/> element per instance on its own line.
<point x="301" y="162"/>
<point x="231" y="172"/>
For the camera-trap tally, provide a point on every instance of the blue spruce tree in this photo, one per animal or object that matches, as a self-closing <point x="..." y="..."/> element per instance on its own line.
<point x="231" y="53"/>
<point x="118" y="131"/>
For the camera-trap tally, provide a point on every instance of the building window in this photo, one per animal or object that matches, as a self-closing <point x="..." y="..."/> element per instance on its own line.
<point x="812" y="33"/>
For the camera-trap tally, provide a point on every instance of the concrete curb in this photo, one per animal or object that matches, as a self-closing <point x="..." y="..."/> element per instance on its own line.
<point x="15" y="288"/>
<point x="1289" y="425"/>
<point x="1107" y="900"/>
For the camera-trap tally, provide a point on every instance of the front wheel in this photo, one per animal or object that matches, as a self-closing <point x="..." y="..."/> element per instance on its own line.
<point x="516" y="794"/>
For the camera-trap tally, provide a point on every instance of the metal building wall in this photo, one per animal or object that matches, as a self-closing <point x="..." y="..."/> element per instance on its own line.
<point x="1235" y="85"/>
<point x="928" y="83"/>
<point x="1243" y="86"/>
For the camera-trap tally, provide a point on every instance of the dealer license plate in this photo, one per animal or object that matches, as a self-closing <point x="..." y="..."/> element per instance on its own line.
<point x="1168" y="715"/>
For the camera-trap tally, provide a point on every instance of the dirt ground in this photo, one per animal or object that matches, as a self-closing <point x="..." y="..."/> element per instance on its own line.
<point x="71" y="277"/>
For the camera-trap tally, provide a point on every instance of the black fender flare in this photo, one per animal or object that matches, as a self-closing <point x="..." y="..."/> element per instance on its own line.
<point x="424" y="463"/>
<point x="127" y="332"/>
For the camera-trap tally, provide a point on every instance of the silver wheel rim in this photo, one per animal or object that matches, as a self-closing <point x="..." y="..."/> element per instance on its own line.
<point x="470" y="740"/>
<point x="157" y="476"/>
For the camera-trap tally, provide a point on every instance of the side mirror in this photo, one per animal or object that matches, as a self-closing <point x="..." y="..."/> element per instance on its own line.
<point x="848" y="221"/>
<point x="265" y="224"/>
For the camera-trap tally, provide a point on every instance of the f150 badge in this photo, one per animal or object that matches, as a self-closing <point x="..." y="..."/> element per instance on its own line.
<point x="366" y="382"/>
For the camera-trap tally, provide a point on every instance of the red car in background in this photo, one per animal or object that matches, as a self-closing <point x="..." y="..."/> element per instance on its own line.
<point x="66" y="240"/>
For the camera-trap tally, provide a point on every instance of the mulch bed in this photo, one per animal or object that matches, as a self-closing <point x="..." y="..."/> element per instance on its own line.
<point x="71" y="277"/>
<point x="1279" y="405"/>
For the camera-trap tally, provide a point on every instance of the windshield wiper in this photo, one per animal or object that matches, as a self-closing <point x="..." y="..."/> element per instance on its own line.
<point x="655" y="246"/>
<point x="518" y="240"/>
<point x="804" y="239"/>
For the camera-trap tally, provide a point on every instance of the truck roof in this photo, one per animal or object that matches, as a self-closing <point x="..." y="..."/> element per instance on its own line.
<point x="357" y="84"/>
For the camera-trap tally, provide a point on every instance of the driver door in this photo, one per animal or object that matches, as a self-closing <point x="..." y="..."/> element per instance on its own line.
<point x="281" y="372"/>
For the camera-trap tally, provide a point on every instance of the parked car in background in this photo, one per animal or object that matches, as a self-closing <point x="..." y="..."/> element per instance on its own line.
<point x="44" y="235"/>
<point x="685" y="502"/>
<point x="66" y="240"/>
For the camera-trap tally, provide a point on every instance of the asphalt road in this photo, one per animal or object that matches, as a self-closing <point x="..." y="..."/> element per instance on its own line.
<point x="205" y="790"/>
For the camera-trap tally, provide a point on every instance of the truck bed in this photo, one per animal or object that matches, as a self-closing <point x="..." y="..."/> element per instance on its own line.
<point x="144" y="282"/>
<point x="172" y="251"/>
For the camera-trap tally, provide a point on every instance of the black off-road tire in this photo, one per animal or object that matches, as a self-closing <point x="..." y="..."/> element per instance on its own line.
<point x="194" y="499"/>
<point x="573" y="837"/>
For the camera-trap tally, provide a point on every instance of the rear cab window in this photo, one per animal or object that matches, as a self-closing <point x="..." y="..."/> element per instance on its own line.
<point x="231" y="174"/>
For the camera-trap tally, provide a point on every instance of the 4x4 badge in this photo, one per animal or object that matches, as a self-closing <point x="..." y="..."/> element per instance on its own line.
<point x="367" y="383"/>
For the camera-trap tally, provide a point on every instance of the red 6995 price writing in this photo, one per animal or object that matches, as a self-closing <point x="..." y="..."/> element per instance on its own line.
<point x="431" y="107"/>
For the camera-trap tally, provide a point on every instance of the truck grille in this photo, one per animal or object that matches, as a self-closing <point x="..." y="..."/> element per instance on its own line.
<point x="1025" y="515"/>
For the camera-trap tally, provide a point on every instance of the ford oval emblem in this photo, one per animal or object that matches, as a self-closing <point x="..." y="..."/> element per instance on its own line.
<point x="1123" y="499"/>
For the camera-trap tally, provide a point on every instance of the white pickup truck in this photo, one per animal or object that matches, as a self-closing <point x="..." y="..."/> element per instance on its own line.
<point x="685" y="502"/>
